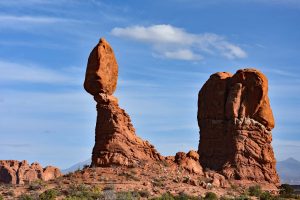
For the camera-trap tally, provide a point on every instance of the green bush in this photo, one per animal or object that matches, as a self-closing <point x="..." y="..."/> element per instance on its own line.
<point x="128" y="195"/>
<point x="225" y="198"/>
<point x="83" y="192"/>
<point x="210" y="196"/>
<point x="158" y="182"/>
<point x="48" y="195"/>
<point x="25" y="197"/>
<point x="265" y="196"/>
<point x="165" y="196"/>
<point x="36" y="185"/>
<point x="144" y="193"/>
<point x="242" y="197"/>
<point x="286" y="191"/>
<point x="183" y="196"/>
<point x="1" y="197"/>
<point x="255" y="190"/>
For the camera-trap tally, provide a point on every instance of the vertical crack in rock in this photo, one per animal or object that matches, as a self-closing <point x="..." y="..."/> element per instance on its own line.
<point x="115" y="142"/>
<point x="235" y="120"/>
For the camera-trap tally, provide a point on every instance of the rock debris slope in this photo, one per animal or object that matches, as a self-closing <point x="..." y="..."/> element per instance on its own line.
<point x="115" y="142"/>
<point x="235" y="120"/>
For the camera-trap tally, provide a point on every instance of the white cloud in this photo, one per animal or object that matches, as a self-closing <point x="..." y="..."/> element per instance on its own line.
<point x="156" y="34"/>
<point x="175" y="43"/>
<point x="15" y="72"/>
<point x="182" y="54"/>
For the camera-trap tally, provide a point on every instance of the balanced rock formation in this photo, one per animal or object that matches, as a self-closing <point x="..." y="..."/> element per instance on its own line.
<point x="15" y="172"/>
<point x="116" y="142"/>
<point x="235" y="120"/>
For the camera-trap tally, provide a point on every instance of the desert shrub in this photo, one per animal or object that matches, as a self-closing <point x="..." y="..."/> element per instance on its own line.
<point x="210" y="196"/>
<point x="83" y="192"/>
<point x="49" y="195"/>
<point x="1" y="197"/>
<point x="144" y="193"/>
<point x="286" y="191"/>
<point x="109" y="195"/>
<point x="225" y="198"/>
<point x="26" y="197"/>
<point x="242" y="197"/>
<point x="165" y="196"/>
<point x="129" y="176"/>
<point x="36" y="185"/>
<point x="265" y="196"/>
<point x="183" y="196"/>
<point x="255" y="190"/>
<point x="158" y="182"/>
<point x="128" y="195"/>
<point x="109" y="187"/>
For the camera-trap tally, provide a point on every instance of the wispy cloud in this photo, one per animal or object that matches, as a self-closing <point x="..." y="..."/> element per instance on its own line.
<point x="176" y="43"/>
<point x="8" y="19"/>
<point x="182" y="54"/>
<point x="16" y="72"/>
<point x="14" y="20"/>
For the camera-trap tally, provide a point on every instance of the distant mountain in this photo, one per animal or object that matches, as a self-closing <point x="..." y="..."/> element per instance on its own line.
<point x="76" y="166"/>
<point x="289" y="171"/>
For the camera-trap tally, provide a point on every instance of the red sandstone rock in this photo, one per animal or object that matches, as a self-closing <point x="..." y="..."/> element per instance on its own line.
<point x="50" y="173"/>
<point x="189" y="161"/>
<point x="15" y="172"/>
<point x="235" y="120"/>
<point x="116" y="142"/>
<point x="102" y="70"/>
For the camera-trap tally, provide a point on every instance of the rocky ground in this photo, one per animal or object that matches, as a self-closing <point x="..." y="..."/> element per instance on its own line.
<point x="144" y="181"/>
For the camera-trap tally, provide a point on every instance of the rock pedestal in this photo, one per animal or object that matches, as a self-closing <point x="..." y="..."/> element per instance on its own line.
<point x="235" y="120"/>
<point x="115" y="142"/>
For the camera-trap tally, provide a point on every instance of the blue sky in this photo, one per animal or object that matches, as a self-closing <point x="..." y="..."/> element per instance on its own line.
<point x="166" y="50"/>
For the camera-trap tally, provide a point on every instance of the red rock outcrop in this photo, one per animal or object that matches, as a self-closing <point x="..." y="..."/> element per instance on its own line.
<point x="189" y="161"/>
<point x="15" y="172"/>
<point x="235" y="120"/>
<point x="116" y="142"/>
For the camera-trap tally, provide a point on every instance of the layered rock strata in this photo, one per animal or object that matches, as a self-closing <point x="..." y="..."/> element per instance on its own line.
<point x="235" y="120"/>
<point x="115" y="142"/>
<point x="16" y="172"/>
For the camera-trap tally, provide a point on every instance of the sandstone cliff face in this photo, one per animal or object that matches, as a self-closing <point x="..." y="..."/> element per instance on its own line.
<point x="116" y="142"/>
<point x="15" y="172"/>
<point x="235" y="120"/>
